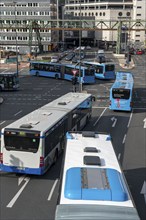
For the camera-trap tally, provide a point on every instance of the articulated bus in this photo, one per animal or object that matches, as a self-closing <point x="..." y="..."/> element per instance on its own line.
<point x="93" y="186"/>
<point x="9" y="81"/>
<point x="33" y="143"/>
<point x="102" y="70"/>
<point x="62" y="71"/>
<point x="121" y="92"/>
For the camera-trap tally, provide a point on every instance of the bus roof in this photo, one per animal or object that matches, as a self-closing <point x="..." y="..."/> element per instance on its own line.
<point x="46" y="116"/>
<point x="8" y="73"/>
<point x="124" y="80"/>
<point x="96" y="63"/>
<point x="93" y="185"/>
<point x="87" y="161"/>
<point x="124" y="76"/>
<point x="122" y="85"/>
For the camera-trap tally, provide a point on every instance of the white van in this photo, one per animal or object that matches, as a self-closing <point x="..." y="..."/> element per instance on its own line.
<point x="54" y="59"/>
<point x="100" y="53"/>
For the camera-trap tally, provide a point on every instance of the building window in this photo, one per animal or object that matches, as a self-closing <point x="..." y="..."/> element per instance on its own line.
<point x="120" y="13"/>
<point x="128" y="13"/>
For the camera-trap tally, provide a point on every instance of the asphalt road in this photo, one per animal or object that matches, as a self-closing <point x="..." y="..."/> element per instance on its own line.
<point x="32" y="197"/>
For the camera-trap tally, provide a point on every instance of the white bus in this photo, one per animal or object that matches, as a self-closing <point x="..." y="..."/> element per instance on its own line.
<point x="32" y="144"/>
<point x="93" y="186"/>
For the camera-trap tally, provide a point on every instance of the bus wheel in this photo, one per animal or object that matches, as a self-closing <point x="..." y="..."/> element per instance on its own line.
<point x="56" y="76"/>
<point x="37" y="73"/>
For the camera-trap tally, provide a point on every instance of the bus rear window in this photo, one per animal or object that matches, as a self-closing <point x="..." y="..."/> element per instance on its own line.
<point x="109" y="67"/>
<point x="21" y="141"/>
<point x="89" y="72"/>
<point x="99" y="69"/>
<point x="121" y="93"/>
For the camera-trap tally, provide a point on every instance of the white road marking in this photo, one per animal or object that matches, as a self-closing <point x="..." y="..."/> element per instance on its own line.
<point x="2" y="122"/>
<point x="119" y="156"/>
<point x="114" y="121"/>
<point x="130" y="119"/>
<point x="52" y="190"/>
<point x="123" y="142"/>
<point x="12" y="202"/>
<point x="99" y="117"/>
<point x="17" y="113"/>
<point x="20" y="179"/>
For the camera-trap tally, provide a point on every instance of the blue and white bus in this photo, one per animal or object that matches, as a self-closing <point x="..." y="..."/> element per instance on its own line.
<point x="33" y="143"/>
<point x="121" y="92"/>
<point x="62" y="71"/>
<point x="93" y="186"/>
<point x="102" y="70"/>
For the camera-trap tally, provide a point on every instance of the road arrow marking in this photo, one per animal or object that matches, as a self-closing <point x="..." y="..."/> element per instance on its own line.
<point x="144" y="123"/>
<point x="11" y="203"/>
<point x="143" y="190"/>
<point x="114" y="121"/>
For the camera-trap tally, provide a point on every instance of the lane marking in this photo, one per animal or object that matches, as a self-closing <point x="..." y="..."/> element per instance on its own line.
<point x="130" y="119"/>
<point x="123" y="142"/>
<point x="18" y="113"/>
<point x="12" y="202"/>
<point x="20" y="179"/>
<point x="119" y="156"/>
<point x="2" y="122"/>
<point x="52" y="190"/>
<point x="99" y="117"/>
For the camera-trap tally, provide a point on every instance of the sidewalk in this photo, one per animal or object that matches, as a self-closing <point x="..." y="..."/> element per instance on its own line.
<point x="122" y="61"/>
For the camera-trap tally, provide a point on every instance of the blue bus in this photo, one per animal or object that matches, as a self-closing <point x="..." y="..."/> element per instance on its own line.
<point x="102" y="70"/>
<point x="121" y="92"/>
<point x="93" y="185"/>
<point x="84" y="74"/>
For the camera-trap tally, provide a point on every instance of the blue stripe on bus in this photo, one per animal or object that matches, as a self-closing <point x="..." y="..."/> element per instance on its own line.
<point x="13" y="169"/>
<point x="74" y="190"/>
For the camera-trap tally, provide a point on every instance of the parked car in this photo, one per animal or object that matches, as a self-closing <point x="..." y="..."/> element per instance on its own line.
<point x="69" y="56"/>
<point x="75" y="60"/>
<point x="100" y="53"/>
<point x="88" y="47"/>
<point x="54" y="59"/>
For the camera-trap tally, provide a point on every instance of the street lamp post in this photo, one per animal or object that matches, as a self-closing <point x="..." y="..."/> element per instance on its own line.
<point x="80" y="35"/>
<point x="17" y="67"/>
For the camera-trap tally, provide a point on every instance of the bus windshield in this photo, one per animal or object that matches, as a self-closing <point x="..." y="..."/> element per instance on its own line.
<point x="99" y="69"/>
<point x="109" y="67"/>
<point x="21" y="141"/>
<point x="121" y="93"/>
<point x="89" y="72"/>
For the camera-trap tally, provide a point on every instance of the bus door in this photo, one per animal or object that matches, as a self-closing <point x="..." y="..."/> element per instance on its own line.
<point x="10" y="82"/>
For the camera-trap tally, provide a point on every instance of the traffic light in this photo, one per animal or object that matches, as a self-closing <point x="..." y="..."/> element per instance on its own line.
<point x="74" y="80"/>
